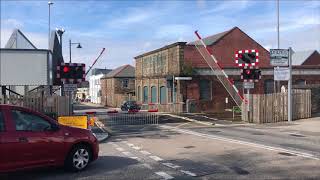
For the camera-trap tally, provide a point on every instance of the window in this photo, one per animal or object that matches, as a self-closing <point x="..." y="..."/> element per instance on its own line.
<point x="145" y="94"/>
<point x="300" y="82"/>
<point x="268" y="86"/>
<point x="1" y="122"/>
<point x="205" y="89"/>
<point x="29" y="122"/>
<point x="163" y="95"/>
<point x="139" y="93"/>
<point x="125" y="83"/>
<point x="153" y="94"/>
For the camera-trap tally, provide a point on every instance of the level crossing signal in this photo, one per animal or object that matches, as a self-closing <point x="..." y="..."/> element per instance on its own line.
<point x="247" y="58"/>
<point x="72" y="73"/>
<point x="251" y="74"/>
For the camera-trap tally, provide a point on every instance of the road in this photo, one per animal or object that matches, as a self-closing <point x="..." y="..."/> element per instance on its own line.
<point x="176" y="149"/>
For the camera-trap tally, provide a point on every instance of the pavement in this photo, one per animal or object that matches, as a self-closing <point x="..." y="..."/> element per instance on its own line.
<point x="178" y="149"/>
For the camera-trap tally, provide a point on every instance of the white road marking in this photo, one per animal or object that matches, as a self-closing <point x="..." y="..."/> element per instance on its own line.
<point x="271" y="148"/>
<point x="129" y="144"/>
<point x="147" y="165"/>
<point x="136" y="158"/>
<point x="120" y="149"/>
<point x="156" y="158"/>
<point x="145" y="152"/>
<point x="136" y="147"/>
<point x="189" y="173"/>
<point x="171" y="165"/>
<point x="127" y="153"/>
<point x="164" y="175"/>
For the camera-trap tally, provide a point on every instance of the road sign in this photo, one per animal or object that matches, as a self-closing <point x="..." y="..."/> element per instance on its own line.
<point x="69" y="87"/>
<point x="248" y="85"/>
<point x="74" y="121"/>
<point x="281" y="74"/>
<point x="279" y="57"/>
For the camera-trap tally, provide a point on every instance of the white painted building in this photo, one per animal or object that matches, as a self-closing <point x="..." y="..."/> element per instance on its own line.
<point x="95" y="84"/>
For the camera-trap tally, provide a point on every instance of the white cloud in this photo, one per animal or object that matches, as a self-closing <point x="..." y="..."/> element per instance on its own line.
<point x="131" y="18"/>
<point x="228" y="6"/>
<point x="174" y="31"/>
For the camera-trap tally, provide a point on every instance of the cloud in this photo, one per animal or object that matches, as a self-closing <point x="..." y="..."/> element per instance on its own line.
<point x="173" y="31"/>
<point x="228" y="6"/>
<point x="133" y="17"/>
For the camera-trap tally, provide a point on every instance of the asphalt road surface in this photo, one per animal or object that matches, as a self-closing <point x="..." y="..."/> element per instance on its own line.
<point x="177" y="149"/>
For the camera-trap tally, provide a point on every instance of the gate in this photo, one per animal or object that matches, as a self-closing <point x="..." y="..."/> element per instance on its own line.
<point x="129" y="122"/>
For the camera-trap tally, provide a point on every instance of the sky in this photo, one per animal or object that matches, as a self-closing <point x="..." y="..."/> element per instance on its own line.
<point x="129" y="28"/>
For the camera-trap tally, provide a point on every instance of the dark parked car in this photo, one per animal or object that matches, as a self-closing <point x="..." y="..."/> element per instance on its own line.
<point x="29" y="139"/>
<point x="130" y="106"/>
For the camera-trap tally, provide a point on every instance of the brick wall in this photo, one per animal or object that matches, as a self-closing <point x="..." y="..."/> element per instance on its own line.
<point x="113" y="93"/>
<point x="225" y="49"/>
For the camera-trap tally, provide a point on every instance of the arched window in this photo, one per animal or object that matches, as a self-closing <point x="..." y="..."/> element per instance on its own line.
<point x="205" y="89"/>
<point x="145" y="94"/>
<point x="163" y="95"/>
<point x="139" y="94"/>
<point x="153" y="94"/>
<point x="268" y="86"/>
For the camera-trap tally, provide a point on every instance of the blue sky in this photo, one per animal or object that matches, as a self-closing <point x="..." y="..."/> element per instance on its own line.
<point x="129" y="28"/>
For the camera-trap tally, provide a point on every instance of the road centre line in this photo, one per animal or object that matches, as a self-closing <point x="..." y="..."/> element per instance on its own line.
<point x="145" y="152"/>
<point x="127" y="153"/>
<point x="120" y="149"/>
<point x="171" y="165"/>
<point x="136" y="147"/>
<point x="278" y="149"/>
<point x="156" y="158"/>
<point x="189" y="173"/>
<point x="164" y="175"/>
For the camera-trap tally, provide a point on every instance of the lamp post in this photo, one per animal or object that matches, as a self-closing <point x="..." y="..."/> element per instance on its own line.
<point x="49" y="23"/>
<point x="60" y="33"/>
<point x="70" y="43"/>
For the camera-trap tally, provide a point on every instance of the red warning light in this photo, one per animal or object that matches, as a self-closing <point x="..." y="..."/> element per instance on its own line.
<point x="65" y="69"/>
<point x="248" y="72"/>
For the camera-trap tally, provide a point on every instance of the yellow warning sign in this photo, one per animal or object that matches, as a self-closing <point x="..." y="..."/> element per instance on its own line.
<point x="74" y="121"/>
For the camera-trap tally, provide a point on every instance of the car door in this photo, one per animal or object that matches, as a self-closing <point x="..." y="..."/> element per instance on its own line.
<point x="10" y="151"/>
<point x="37" y="143"/>
<point x="7" y="145"/>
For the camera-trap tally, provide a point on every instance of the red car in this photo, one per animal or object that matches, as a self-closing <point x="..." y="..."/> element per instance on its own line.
<point x="29" y="139"/>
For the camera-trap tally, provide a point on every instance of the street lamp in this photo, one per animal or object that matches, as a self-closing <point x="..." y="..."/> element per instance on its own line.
<point x="70" y="43"/>
<point x="49" y="5"/>
<point x="60" y="32"/>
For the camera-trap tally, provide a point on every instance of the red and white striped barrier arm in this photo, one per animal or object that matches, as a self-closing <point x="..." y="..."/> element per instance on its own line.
<point x="221" y="75"/>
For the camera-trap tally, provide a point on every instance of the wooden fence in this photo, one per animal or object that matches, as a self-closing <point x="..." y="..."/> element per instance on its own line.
<point x="271" y="108"/>
<point x="58" y="105"/>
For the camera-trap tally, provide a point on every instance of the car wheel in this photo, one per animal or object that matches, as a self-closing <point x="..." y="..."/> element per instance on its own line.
<point x="79" y="158"/>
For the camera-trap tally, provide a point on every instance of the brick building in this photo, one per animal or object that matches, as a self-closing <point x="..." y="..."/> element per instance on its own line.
<point x="118" y="86"/>
<point x="156" y="69"/>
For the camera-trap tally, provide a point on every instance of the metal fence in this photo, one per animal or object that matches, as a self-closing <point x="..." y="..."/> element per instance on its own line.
<point x="128" y="119"/>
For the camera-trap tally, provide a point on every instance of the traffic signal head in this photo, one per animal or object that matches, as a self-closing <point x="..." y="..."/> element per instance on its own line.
<point x="251" y="74"/>
<point x="247" y="58"/>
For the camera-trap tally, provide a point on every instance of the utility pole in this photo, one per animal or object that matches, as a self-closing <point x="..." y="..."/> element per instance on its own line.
<point x="290" y="87"/>
<point x="277" y="88"/>
<point x="49" y="23"/>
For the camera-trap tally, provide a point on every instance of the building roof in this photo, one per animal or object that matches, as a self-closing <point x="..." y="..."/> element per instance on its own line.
<point x="299" y="57"/>
<point x="122" y="71"/>
<point x="18" y="40"/>
<point x="212" y="39"/>
<point x="161" y="49"/>
<point x="97" y="71"/>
